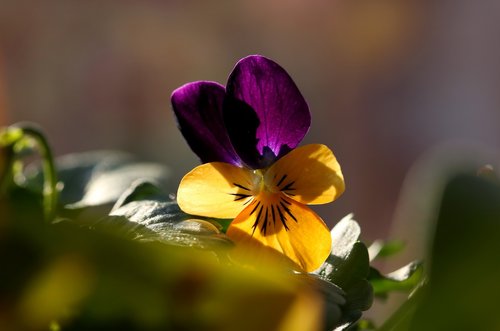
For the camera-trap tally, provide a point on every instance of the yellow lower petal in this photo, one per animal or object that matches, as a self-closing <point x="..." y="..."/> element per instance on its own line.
<point x="274" y="225"/>
<point x="215" y="189"/>
<point x="309" y="174"/>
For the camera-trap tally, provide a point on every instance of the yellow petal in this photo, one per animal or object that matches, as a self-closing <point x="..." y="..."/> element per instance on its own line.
<point x="309" y="174"/>
<point x="215" y="189"/>
<point x="274" y="223"/>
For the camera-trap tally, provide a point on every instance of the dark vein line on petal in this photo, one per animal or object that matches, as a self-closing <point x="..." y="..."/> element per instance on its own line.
<point x="273" y="214"/>
<point x="281" y="180"/>
<point x="286" y="201"/>
<point x="259" y="213"/>
<point x="288" y="187"/>
<point x="241" y="186"/>
<point x="282" y="218"/>
<point x="254" y="208"/>
<point x="256" y="223"/>
<point x="264" y="224"/>
<point x="239" y="196"/>
<point x="288" y="212"/>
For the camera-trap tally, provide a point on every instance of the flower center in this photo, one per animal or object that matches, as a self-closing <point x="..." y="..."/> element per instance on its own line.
<point x="267" y="198"/>
<point x="262" y="184"/>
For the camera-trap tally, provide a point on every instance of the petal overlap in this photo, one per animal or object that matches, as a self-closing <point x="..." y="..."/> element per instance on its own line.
<point x="198" y="109"/>
<point x="276" y="114"/>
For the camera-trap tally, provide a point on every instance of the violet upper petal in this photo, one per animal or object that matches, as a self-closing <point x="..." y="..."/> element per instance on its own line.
<point x="274" y="112"/>
<point x="198" y="109"/>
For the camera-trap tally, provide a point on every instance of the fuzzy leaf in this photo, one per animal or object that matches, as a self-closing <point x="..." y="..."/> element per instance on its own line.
<point x="171" y="225"/>
<point x="348" y="267"/>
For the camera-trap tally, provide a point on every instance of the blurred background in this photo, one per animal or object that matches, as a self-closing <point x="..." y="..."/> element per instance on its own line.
<point x="386" y="80"/>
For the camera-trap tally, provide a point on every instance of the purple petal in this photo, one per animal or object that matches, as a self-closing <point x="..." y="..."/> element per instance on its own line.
<point x="198" y="108"/>
<point x="263" y="101"/>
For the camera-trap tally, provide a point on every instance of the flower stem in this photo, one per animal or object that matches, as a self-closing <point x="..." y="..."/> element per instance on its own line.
<point x="21" y="134"/>
<point x="50" y="194"/>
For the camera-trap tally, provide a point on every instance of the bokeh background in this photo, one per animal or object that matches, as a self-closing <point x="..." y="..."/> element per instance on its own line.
<point x="386" y="80"/>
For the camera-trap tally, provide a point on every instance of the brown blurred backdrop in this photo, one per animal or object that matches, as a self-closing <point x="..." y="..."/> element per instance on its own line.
<point x="385" y="79"/>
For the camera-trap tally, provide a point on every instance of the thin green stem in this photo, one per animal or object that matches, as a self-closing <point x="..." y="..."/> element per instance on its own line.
<point x="50" y="193"/>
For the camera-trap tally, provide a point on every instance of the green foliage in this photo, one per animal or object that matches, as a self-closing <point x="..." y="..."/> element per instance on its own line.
<point x="348" y="267"/>
<point x="461" y="291"/>
<point x="119" y="254"/>
<point x="92" y="182"/>
<point x="403" y="279"/>
<point x="463" y="280"/>
<point x="171" y="225"/>
<point x="382" y="249"/>
<point x="94" y="241"/>
<point x="89" y="280"/>
<point x="15" y="142"/>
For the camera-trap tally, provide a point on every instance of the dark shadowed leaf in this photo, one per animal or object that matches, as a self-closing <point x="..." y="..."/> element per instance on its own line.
<point x="89" y="280"/>
<point x="348" y="267"/>
<point x="334" y="299"/>
<point x="462" y="290"/>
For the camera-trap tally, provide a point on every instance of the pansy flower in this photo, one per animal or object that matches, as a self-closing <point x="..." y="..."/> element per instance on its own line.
<point x="246" y="135"/>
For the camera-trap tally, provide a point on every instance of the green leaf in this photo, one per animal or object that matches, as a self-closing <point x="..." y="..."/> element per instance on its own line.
<point x="382" y="249"/>
<point x="333" y="297"/>
<point x="171" y="225"/>
<point x="100" y="177"/>
<point x="403" y="279"/>
<point x="89" y="280"/>
<point x="344" y="235"/>
<point x="139" y="190"/>
<point x="348" y="267"/>
<point x="92" y="182"/>
<point x="462" y="290"/>
<point x="144" y="212"/>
